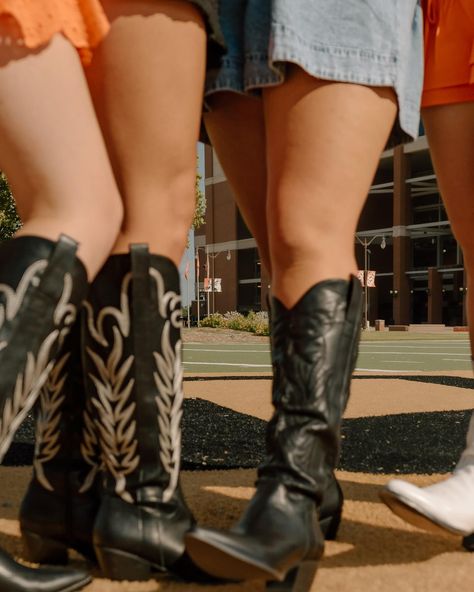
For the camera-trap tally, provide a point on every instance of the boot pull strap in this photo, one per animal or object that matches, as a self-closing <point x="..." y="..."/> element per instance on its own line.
<point x="62" y="260"/>
<point x="140" y="262"/>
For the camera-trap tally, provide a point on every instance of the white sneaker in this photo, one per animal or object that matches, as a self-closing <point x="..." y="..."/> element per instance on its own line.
<point x="445" y="506"/>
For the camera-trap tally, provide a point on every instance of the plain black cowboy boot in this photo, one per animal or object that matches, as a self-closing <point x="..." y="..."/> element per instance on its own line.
<point x="42" y="284"/>
<point x="314" y="352"/>
<point x="330" y="510"/>
<point x="134" y="372"/>
<point x="62" y="499"/>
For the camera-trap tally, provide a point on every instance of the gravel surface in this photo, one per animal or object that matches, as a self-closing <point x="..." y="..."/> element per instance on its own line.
<point x="215" y="437"/>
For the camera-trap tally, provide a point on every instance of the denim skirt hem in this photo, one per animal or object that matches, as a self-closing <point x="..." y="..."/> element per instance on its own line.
<point x="259" y="52"/>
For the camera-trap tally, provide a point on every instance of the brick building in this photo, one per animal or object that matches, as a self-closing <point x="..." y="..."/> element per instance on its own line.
<point x="408" y="242"/>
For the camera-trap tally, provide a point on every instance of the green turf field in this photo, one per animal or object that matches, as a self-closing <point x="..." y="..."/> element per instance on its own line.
<point x="420" y="353"/>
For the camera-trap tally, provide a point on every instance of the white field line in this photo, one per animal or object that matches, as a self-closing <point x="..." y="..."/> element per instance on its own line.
<point x="397" y="362"/>
<point x="399" y="353"/>
<point x="229" y="364"/>
<point x="444" y="345"/>
<point x="454" y="360"/>
<point x="415" y="341"/>
<point x="385" y="370"/>
<point x="229" y="351"/>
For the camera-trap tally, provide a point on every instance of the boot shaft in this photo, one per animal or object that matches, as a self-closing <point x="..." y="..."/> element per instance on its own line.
<point x="39" y="297"/>
<point x="67" y="455"/>
<point x="314" y="353"/>
<point x="134" y="373"/>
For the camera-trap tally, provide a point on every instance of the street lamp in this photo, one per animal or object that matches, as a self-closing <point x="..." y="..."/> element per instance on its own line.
<point x="213" y="256"/>
<point x="365" y="242"/>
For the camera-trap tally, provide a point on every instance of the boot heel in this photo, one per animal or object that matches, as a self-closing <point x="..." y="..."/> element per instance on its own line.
<point x="330" y="526"/>
<point x="39" y="549"/>
<point x="468" y="543"/>
<point x="118" y="565"/>
<point x="285" y="585"/>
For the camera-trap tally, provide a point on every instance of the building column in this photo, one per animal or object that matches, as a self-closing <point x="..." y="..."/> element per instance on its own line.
<point x="464" y="299"/>
<point x="265" y="287"/>
<point x="435" y="296"/>
<point x="401" y="239"/>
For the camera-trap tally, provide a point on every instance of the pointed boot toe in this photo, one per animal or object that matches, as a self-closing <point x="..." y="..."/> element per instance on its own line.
<point x="229" y="555"/>
<point x="277" y="532"/>
<point x="15" y="577"/>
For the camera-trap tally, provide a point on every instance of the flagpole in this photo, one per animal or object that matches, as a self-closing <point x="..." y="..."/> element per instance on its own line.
<point x="197" y="290"/>
<point x="188" y="302"/>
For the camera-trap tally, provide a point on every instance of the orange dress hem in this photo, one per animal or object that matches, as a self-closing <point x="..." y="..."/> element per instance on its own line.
<point x="82" y="22"/>
<point x="449" y="52"/>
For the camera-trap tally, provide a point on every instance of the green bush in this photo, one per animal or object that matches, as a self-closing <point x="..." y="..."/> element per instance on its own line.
<point x="213" y="320"/>
<point x="9" y="220"/>
<point x="254" y="322"/>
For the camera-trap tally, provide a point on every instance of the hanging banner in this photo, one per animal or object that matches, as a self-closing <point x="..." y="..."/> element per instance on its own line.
<point x="212" y="284"/>
<point x="370" y="279"/>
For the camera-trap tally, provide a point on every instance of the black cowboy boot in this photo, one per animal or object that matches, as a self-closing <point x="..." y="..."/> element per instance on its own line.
<point x="42" y="284"/>
<point x="314" y="352"/>
<point x="62" y="499"/>
<point x="134" y="370"/>
<point x="330" y="511"/>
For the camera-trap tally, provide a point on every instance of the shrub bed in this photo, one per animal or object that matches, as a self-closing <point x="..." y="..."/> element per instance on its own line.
<point x="253" y="322"/>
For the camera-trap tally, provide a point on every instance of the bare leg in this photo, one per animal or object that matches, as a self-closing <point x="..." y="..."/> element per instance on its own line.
<point x="237" y="129"/>
<point x="52" y="151"/>
<point x="450" y="130"/>
<point x="323" y="145"/>
<point x="147" y="82"/>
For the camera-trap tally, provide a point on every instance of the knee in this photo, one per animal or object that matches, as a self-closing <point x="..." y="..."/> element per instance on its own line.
<point x="183" y="201"/>
<point x="162" y="213"/>
<point x="106" y="216"/>
<point x="295" y="241"/>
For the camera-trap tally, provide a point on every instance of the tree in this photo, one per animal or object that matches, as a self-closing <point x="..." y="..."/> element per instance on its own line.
<point x="9" y="220"/>
<point x="200" y="210"/>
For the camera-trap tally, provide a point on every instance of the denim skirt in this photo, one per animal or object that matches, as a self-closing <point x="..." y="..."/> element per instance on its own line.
<point x="369" y="42"/>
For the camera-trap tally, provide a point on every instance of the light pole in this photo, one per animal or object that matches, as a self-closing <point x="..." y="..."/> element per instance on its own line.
<point x="365" y="242"/>
<point x="198" y="291"/>
<point x="210" y="274"/>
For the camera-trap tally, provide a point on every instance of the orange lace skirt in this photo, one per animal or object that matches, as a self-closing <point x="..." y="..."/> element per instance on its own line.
<point x="449" y="52"/>
<point x="83" y="22"/>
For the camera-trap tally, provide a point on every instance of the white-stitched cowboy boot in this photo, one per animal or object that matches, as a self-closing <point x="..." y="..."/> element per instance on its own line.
<point x="42" y="284"/>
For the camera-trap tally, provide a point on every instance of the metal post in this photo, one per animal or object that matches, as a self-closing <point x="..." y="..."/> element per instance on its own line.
<point x="208" y="277"/>
<point x="197" y="289"/>
<point x="187" y="301"/>
<point x="366" y="293"/>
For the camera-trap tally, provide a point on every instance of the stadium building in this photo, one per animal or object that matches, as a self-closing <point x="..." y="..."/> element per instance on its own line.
<point x="403" y="235"/>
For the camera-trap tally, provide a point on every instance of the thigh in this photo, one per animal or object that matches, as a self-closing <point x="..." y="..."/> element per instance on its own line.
<point x="52" y="149"/>
<point x="236" y="128"/>
<point x="147" y="81"/>
<point x="323" y="145"/>
<point x="450" y="131"/>
<point x="324" y="141"/>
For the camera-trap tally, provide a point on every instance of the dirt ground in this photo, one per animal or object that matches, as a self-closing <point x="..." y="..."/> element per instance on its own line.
<point x="375" y="551"/>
